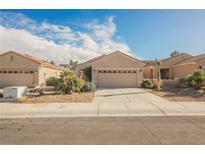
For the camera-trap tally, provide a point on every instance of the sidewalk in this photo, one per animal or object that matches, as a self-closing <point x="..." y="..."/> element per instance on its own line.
<point x="112" y="102"/>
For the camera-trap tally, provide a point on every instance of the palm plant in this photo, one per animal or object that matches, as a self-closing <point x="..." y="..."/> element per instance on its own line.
<point x="73" y="64"/>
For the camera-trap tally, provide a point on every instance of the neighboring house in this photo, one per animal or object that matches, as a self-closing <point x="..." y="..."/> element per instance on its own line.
<point x="114" y="70"/>
<point x="187" y="67"/>
<point x="18" y="69"/>
<point x="150" y="71"/>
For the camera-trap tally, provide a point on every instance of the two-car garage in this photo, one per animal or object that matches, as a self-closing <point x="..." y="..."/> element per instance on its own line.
<point x="116" y="70"/>
<point x="117" y="78"/>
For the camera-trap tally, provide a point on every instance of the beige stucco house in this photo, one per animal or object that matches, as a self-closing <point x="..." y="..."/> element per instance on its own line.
<point x="187" y="67"/>
<point x="114" y="70"/>
<point x="18" y="69"/>
<point x="179" y="67"/>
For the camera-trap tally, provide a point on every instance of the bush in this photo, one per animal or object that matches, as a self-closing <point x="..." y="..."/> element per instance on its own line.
<point x="34" y="85"/>
<point x="196" y="80"/>
<point x="87" y="72"/>
<point x="52" y="81"/>
<point x="88" y="87"/>
<point x="69" y="82"/>
<point x="1" y="94"/>
<point x="147" y="84"/>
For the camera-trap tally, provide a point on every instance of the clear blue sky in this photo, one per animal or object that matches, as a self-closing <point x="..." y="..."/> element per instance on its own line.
<point x="148" y="33"/>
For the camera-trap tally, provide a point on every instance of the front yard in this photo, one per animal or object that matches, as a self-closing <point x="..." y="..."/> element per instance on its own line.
<point x="179" y="94"/>
<point x="69" y="98"/>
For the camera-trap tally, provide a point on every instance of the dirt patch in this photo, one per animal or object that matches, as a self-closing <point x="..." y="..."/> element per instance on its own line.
<point x="179" y="94"/>
<point x="71" y="98"/>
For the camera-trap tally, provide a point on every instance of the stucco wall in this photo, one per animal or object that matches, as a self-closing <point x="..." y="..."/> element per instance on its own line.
<point x="149" y="73"/>
<point x="182" y="71"/>
<point x="45" y="73"/>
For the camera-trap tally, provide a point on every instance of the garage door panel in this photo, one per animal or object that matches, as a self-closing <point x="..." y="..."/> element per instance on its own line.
<point x="12" y="79"/>
<point x="117" y="80"/>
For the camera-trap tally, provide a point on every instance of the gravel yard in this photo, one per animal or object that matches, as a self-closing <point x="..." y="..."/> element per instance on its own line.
<point x="179" y="94"/>
<point x="70" y="98"/>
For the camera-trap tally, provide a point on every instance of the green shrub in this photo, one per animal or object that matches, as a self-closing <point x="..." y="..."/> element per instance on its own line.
<point x="1" y="94"/>
<point x="52" y="81"/>
<point x="87" y="72"/>
<point x="34" y="85"/>
<point x="78" y="84"/>
<point x="147" y="84"/>
<point x="88" y="87"/>
<point x="196" y="80"/>
<point x="69" y="82"/>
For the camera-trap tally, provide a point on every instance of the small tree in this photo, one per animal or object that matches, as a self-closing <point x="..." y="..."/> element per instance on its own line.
<point x="174" y="53"/>
<point x="87" y="72"/>
<point x="73" y="64"/>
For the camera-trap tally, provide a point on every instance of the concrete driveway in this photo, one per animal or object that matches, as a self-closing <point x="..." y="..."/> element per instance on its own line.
<point x="107" y="102"/>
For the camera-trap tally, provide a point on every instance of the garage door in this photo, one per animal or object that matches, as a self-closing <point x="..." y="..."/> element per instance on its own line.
<point x="117" y="80"/>
<point x="16" y="78"/>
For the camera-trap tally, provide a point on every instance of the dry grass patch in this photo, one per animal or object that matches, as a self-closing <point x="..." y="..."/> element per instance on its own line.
<point x="70" y="98"/>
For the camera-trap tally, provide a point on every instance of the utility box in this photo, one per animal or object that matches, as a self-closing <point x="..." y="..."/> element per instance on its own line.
<point x="14" y="92"/>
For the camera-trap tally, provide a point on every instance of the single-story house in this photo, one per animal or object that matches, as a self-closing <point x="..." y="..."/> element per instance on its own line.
<point x="187" y="67"/>
<point x="179" y="66"/>
<point x="18" y="69"/>
<point x="115" y="70"/>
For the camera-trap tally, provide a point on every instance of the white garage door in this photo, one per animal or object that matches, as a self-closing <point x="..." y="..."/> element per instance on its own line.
<point x="117" y="80"/>
<point x="16" y="78"/>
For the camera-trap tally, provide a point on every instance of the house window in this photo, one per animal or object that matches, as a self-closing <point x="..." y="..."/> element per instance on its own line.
<point x="104" y="72"/>
<point x="15" y="72"/>
<point x="20" y="72"/>
<point x="0" y="71"/>
<point x="11" y="58"/>
<point x="10" y="71"/>
<point x="99" y="71"/>
<point x="124" y="71"/>
<point x="31" y="72"/>
<point x="114" y="71"/>
<point x="26" y="72"/>
<point x="5" y="71"/>
<point x="109" y="71"/>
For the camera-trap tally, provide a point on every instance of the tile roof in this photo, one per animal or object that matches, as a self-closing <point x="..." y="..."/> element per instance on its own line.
<point x="194" y="59"/>
<point x="35" y="59"/>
